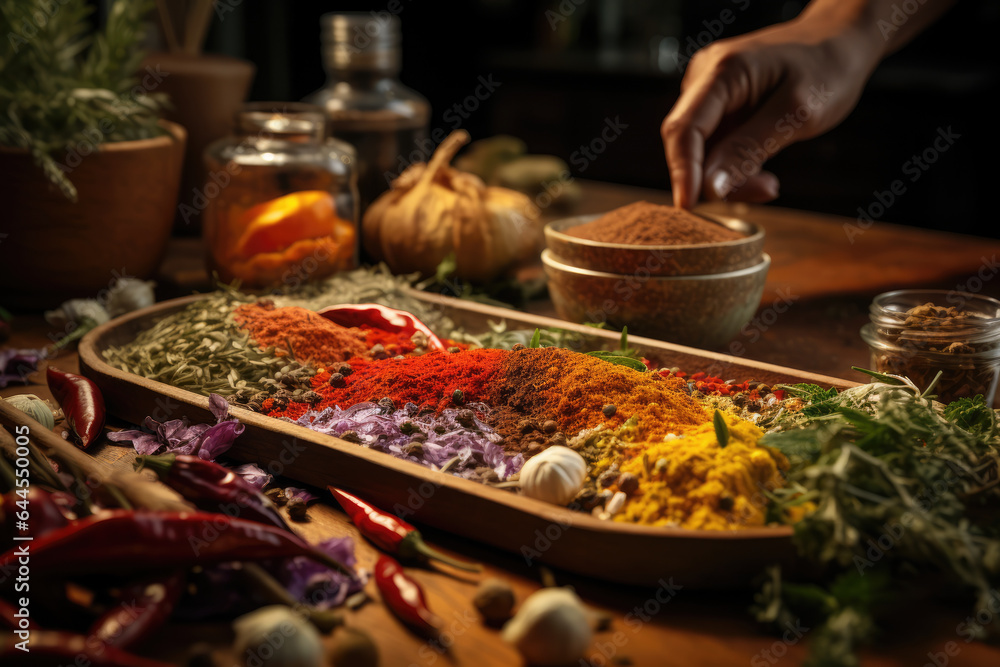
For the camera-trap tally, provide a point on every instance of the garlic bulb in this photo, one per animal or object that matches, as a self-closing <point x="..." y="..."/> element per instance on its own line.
<point x="554" y="475"/>
<point x="34" y="407"/>
<point x="434" y="210"/>
<point x="551" y="628"/>
<point x="128" y="294"/>
<point x="276" y="636"/>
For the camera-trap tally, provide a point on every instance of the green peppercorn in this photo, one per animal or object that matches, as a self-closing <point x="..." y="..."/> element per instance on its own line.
<point x="458" y="397"/>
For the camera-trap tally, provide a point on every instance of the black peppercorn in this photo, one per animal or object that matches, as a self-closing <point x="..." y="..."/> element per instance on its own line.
<point x="337" y="380"/>
<point x="297" y="509"/>
<point x="628" y="483"/>
<point x="458" y="397"/>
<point x="517" y="347"/>
<point x="609" y="410"/>
<point x="549" y="426"/>
<point x="607" y="478"/>
<point x="277" y="496"/>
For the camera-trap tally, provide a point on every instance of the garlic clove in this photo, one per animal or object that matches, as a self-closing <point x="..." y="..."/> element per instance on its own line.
<point x="552" y="627"/>
<point x="276" y="636"/>
<point x="555" y="475"/>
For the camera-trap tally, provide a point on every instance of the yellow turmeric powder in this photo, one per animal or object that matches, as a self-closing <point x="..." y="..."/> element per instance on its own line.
<point x="692" y="482"/>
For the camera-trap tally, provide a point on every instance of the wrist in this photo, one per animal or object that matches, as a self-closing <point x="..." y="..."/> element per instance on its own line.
<point x="850" y="29"/>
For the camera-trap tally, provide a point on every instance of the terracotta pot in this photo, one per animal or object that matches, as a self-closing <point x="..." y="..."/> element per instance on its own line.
<point x="52" y="249"/>
<point x="206" y="91"/>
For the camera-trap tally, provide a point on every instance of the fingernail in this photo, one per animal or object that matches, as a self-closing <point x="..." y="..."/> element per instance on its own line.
<point x="721" y="184"/>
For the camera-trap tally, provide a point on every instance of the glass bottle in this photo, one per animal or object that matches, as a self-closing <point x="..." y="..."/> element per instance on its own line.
<point x="364" y="101"/>
<point x="917" y="333"/>
<point x="280" y="202"/>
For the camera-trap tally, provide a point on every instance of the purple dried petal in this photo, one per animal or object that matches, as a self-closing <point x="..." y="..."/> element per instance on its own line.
<point x="219" y="407"/>
<point x="17" y="365"/>
<point x="253" y="475"/>
<point x="217" y="439"/>
<point x="292" y="493"/>
<point x="122" y="436"/>
<point x="314" y="584"/>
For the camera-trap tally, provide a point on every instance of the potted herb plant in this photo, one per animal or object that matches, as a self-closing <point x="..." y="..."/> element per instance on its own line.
<point x="89" y="170"/>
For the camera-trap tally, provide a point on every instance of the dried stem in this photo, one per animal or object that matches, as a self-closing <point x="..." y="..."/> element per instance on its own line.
<point x="140" y="491"/>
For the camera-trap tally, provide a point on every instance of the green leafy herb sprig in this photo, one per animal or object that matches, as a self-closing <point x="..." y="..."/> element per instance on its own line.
<point x="899" y="483"/>
<point x="62" y="86"/>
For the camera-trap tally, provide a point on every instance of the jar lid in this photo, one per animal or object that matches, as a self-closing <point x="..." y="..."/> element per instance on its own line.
<point x="357" y="40"/>
<point x="284" y="120"/>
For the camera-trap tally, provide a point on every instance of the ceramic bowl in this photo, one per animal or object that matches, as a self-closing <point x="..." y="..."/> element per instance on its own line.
<point x="703" y="311"/>
<point x="659" y="260"/>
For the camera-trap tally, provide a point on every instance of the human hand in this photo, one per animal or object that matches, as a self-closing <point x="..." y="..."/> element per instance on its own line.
<point x="745" y="99"/>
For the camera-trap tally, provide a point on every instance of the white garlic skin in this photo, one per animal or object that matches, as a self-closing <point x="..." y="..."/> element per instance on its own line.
<point x="276" y="636"/>
<point x="554" y="475"/>
<point x="552" y="627"/>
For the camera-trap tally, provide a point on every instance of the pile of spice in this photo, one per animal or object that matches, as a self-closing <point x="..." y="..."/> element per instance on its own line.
<point x="454" y="441"/>
<point x="201" y="348"/>
<point x="643" y="223"/>
<point x="689" y="481"/>
<point x="524" y="389"/>
<point x="300" y="333"/>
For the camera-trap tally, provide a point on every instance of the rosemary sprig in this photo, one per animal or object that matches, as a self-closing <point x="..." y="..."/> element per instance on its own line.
<point x="64" y="87"/>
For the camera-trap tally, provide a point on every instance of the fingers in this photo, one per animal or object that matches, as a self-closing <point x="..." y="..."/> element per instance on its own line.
<point x="733" y="167"/>
<point x="695" y="116"/>
<point x="758" y="189"/>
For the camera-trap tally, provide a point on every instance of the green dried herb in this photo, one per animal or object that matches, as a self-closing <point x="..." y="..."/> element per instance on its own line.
<point x="886" y="466"/>
<point x="64" y="86"/>
<point x="721" y="429"/>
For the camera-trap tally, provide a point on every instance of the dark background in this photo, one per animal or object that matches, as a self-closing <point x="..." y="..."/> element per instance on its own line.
<point x="558" y="87"/>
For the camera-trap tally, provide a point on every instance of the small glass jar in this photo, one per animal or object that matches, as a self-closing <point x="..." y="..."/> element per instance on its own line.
<point x="365" y="103"/>
<point x="281" y="201"/>
<point x="917" y="333"/>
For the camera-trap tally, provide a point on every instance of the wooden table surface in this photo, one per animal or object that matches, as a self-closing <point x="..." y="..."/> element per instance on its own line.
<point x="829" y="282"/>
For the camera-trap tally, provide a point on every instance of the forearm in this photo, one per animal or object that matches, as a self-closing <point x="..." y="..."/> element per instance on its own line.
<point x="883" y="26"/>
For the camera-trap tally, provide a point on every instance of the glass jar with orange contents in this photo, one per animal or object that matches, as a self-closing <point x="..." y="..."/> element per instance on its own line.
<point x="281" y="201"/>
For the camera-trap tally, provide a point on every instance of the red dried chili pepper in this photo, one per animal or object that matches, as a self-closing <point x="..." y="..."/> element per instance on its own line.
<point x="46" y="648"/>
<point x="117" y="541"/>
<point x="82" y="403"/>
<point x="37" y="509"/>
<point x="391" y="533"/>
<point x="380" y="317"/>
<point x="404" y="597"/>
<point x="144" y="607"/>
<point x="212" y="487"/>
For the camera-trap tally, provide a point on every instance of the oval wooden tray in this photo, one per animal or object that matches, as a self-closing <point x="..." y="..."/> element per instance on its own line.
<point x="540" y="532"/>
